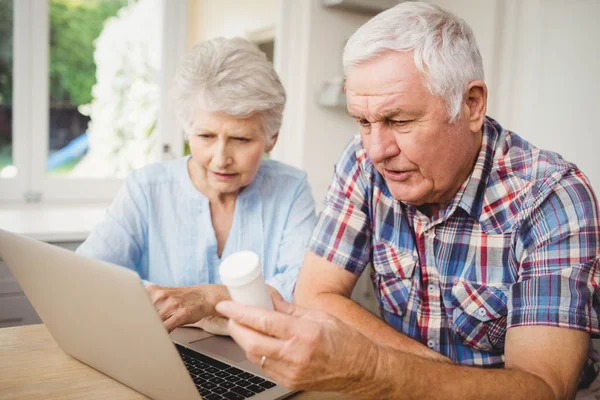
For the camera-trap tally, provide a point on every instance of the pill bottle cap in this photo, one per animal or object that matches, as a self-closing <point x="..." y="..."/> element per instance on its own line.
<point x="240" y="268"/>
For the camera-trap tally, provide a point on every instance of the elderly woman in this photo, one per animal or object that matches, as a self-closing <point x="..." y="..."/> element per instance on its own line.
<point x="174" y="222"/>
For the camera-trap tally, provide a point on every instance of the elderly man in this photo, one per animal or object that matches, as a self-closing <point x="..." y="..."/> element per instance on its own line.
<point x="484" y="248"/>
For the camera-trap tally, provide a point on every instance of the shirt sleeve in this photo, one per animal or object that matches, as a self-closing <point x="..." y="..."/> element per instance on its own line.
<point x="558" y="247"/>
<point x="343" y="232"/>
<point x="298" y="227"/>
<point x="120" y="237"/>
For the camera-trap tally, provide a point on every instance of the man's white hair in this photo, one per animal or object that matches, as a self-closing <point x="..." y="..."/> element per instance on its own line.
<point x="443" y="47"/>
<point x="231" y="76"/>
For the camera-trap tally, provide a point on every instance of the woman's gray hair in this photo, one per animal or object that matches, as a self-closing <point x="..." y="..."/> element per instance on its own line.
<point x="231" y="76"/>
<point x="443" y="47"/>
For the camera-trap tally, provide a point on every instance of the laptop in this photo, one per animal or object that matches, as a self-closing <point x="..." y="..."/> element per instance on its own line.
<point x="100" y="314"/>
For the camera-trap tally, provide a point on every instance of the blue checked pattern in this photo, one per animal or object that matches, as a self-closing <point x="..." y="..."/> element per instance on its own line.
<point x="518" y="245"/>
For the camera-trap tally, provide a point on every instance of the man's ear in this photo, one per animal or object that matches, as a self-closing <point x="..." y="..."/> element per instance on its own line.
<point x="273" y="142"/>
<point x="476" y="104"/>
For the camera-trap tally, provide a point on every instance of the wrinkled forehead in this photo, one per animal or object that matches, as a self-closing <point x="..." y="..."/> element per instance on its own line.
<point x="388" y="82"/>
<point x="386" y="85"/>
<point x="384" y="74"/>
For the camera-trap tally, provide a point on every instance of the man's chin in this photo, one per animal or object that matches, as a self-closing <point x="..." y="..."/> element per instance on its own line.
<point x="408" y="198"/>
<point x="411" y="202"/>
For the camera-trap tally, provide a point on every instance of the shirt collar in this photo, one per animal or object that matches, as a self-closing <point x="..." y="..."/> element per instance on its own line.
<point x="471" y="195"/>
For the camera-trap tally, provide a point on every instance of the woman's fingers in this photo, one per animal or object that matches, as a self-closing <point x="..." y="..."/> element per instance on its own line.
<point x="275" y="295"/>
<point x="284" y="307"/>
<point x="181" y="305"/>
<point x="166" y="306"/>
<point x="215" y="325"/>
<point x="157" y="293"/>
<point x="171" y="323"/>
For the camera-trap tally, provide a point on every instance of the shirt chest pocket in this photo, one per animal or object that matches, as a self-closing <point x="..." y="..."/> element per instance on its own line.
<point x="479" y="314"/>
<point x="392" y="276"/>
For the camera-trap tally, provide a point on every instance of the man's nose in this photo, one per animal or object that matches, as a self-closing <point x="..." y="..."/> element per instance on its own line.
<point x="382" y="143"/>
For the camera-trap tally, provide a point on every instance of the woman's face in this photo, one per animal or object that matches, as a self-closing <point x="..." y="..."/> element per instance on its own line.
<point x="226" y="151"/>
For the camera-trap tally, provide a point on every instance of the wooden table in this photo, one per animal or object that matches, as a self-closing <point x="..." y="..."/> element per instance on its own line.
<point x="32" y="366"/>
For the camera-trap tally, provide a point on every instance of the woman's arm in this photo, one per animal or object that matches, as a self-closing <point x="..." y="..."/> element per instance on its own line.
<point x="300" y="222"/>
<point x="120" y="237"/>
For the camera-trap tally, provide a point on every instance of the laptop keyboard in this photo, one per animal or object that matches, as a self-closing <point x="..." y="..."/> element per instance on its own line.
<point x="216" y="380"/>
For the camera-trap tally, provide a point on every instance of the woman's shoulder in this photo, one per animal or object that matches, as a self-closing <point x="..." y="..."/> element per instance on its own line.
<point x="277" y="173"/>
<point x="159" y="172"/>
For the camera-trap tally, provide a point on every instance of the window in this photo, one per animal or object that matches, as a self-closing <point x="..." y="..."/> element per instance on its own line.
<point x="72" y="76"/>
<point x="7" y="169"/>
<point x="87" y="101"/>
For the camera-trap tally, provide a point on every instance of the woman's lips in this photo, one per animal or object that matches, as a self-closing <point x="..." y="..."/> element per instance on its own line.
<point x="398" y="176"/>
<point x="223" y="177"/>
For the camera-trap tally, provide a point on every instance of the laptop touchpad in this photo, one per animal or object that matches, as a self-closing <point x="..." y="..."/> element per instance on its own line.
<point x="223" y="346"/>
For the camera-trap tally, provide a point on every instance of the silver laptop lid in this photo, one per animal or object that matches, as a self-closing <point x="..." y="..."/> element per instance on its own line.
<point x="100" y="314"/>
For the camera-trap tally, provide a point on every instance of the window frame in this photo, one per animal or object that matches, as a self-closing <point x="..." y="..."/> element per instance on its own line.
<point x="31" y="38"/>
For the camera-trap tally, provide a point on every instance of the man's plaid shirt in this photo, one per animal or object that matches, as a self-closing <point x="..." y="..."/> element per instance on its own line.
<point x="518" y="245"/>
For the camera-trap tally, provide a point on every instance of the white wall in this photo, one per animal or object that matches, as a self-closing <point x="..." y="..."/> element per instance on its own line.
<point x="313" y="137"/>
<point x="552" y="87"/>
<point x="328" y="130"/>
<point x="212" y="18"/>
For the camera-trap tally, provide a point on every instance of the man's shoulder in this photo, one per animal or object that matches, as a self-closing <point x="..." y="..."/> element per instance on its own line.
<point x="518" y="159"/>
<point x="522" y="176"/>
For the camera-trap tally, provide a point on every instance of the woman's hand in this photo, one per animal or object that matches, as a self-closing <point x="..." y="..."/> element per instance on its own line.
<point x="185" y="305"/>
<point x="214" y="324"/>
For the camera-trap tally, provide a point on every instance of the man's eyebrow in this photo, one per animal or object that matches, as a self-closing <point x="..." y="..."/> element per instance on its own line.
<point x="386" y="114"/>
<point x="394" y="113"/>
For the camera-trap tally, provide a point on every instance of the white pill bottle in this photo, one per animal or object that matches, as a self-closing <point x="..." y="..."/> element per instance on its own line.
<point x="241" y="272"/>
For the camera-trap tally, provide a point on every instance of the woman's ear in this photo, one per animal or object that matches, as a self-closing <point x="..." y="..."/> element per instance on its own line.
<point x="272" y="143"/>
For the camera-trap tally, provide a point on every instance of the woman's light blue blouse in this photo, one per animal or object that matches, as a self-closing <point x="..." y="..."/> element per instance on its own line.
<point x="159" y="225"/>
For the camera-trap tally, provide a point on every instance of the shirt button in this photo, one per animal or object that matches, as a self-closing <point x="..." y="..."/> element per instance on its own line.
<point x="430" y="233"/>
<point x="431" y="288"/>
<point x="430" y="344"/>
<point x="481" y="311"/>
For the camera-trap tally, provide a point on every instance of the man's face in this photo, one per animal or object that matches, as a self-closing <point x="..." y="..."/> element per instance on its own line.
<point x="405" y="130"/>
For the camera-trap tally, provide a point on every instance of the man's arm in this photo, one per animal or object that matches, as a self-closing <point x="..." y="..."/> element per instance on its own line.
<point x="541" y="363"/>
<point x="326" y="286"/>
